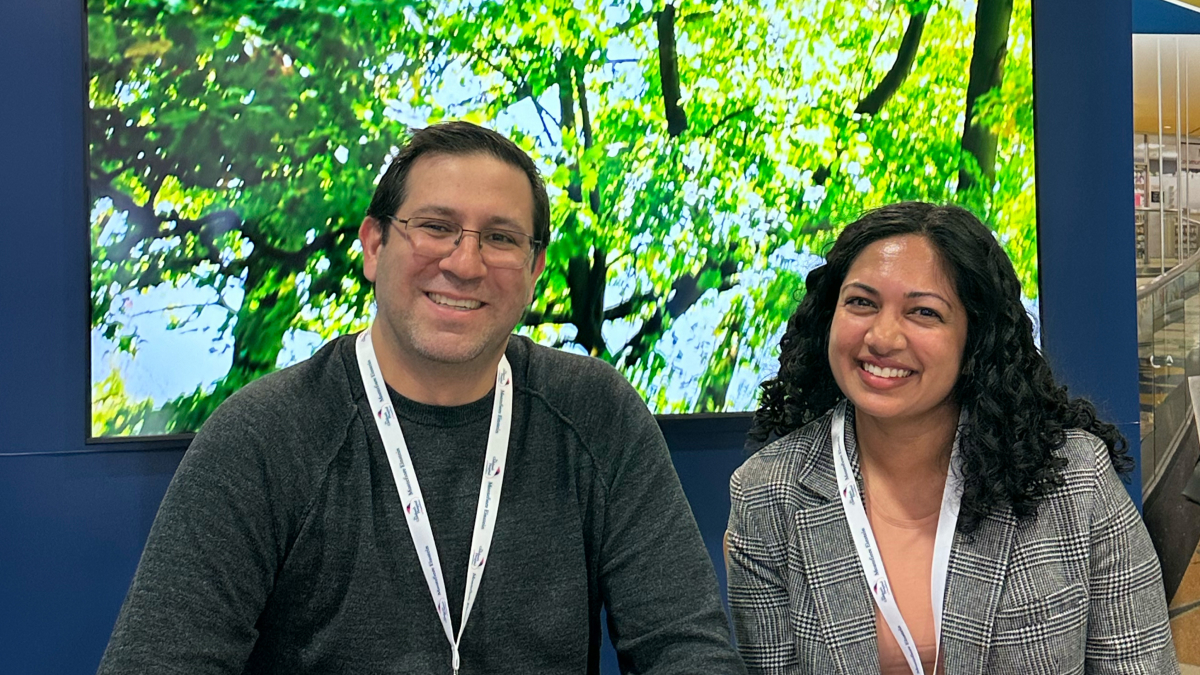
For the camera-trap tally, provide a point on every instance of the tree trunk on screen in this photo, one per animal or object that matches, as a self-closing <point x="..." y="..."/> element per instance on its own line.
<point x="992" y="18"/>
<point x="873" y="102"/>
<point x="668" y="67"/>
<point x="887" y="87"/>
<point x="587" y="271"/>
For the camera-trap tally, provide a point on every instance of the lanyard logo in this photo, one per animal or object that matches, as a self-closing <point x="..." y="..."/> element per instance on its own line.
<point x="882" y="590"/>
<point x="493" y="468"/>
<point x="850" y="493"/>
<point x="385" y="416"/>
<point x="414" y="510"/>
<point x="479" y="558"/>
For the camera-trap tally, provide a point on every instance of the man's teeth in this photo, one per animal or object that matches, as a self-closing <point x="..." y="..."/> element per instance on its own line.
<point x="885" y="372"/>
<point x="455" y="303"/>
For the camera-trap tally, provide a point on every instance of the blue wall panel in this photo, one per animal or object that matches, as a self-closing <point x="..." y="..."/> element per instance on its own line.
<point x="1083" y="91"/>
<point x="1162" y="17"/>
<point x="72" y="529"/>
<point x="43" y="258"/>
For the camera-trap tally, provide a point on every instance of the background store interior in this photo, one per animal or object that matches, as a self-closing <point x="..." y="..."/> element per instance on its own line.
<point x="1166" y="199"/>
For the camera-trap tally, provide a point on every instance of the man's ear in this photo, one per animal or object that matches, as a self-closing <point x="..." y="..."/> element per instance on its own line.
<point x="539" y="266"/>
<point x="371" y="235"/>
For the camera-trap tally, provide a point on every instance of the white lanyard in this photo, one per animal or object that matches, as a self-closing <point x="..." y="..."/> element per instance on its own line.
<point x="868" y="550"/>
<point x="410" y="491"/>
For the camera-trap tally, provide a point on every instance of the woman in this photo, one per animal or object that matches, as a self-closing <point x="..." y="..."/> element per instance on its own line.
<point x="935" y="497"/>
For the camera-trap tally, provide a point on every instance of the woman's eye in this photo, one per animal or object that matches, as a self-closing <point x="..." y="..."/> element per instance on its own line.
<point x="856" y="301"/>
<point x="928" y="313"/>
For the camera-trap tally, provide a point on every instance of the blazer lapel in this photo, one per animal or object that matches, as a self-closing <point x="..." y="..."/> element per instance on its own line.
<point x="978" y="568"/>
<point x="845" y="610"/>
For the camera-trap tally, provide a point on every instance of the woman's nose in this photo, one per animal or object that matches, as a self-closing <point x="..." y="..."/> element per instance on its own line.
<point x="886" y="334"/>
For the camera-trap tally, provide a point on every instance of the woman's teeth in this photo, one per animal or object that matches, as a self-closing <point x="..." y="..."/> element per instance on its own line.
<point x="885" y="372"/>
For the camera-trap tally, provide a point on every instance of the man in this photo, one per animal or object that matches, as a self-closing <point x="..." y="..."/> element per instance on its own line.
<point x="522" y="490"/>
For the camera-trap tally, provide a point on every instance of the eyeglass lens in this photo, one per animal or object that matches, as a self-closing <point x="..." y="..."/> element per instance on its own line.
<point x="498" y="247"/>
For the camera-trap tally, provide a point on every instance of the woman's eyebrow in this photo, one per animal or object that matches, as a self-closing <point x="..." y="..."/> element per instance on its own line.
<point x="926" y="294"/>
<point x="861" y="286"/>
<point x="911" y="294"/>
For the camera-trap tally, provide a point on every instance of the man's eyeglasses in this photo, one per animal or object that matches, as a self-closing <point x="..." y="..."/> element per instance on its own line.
<point x="437" y="238"/>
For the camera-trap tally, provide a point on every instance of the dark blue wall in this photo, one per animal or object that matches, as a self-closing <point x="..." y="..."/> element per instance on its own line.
<point x="73" y="521"/>
<point x="1083" y="93"/>
<point x="1160" y="16"/>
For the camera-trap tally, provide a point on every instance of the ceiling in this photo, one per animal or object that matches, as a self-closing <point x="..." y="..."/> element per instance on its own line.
<point x="1180" y="58"/>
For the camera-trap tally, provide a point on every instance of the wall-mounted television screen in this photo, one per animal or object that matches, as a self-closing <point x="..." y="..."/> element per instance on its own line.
<point x="700" y="157"/>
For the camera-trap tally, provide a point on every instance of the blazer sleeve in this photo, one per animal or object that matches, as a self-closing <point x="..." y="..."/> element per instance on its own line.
<point x="1128" y="632"/>
<point x="756" y="557"/>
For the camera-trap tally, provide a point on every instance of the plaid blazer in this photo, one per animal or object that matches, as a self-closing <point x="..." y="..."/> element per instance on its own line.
<point x="1077" y="590"/>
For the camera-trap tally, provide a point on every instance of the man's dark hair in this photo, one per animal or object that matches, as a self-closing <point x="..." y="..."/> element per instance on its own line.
<point x="458" y="138"/>
<point x="1017" y="413"/>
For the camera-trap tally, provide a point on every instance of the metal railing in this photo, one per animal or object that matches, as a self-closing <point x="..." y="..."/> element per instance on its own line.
<point x="1168" y="353"/>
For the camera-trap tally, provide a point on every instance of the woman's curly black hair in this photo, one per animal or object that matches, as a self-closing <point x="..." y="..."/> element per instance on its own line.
<point x="1017" y="415"/>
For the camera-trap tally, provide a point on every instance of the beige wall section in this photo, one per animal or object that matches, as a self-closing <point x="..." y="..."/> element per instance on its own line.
<point x="1145" y="82"/>
<point x="1185" y="618"/>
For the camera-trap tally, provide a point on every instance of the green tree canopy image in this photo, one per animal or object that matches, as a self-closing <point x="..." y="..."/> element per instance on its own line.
<point x="698" y="156"/>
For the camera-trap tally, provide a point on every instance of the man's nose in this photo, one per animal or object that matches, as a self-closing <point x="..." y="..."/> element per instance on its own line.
<point x="466" y="260"/>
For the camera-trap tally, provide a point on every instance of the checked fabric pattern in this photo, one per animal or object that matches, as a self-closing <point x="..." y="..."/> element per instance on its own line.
<point x="1077" y="590"/>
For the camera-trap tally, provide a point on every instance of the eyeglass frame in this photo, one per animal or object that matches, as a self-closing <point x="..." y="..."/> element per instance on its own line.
<point x="534" y="244"/>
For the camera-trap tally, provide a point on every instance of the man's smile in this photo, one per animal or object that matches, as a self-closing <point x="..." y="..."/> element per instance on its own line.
<point x="454" y="303"/>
